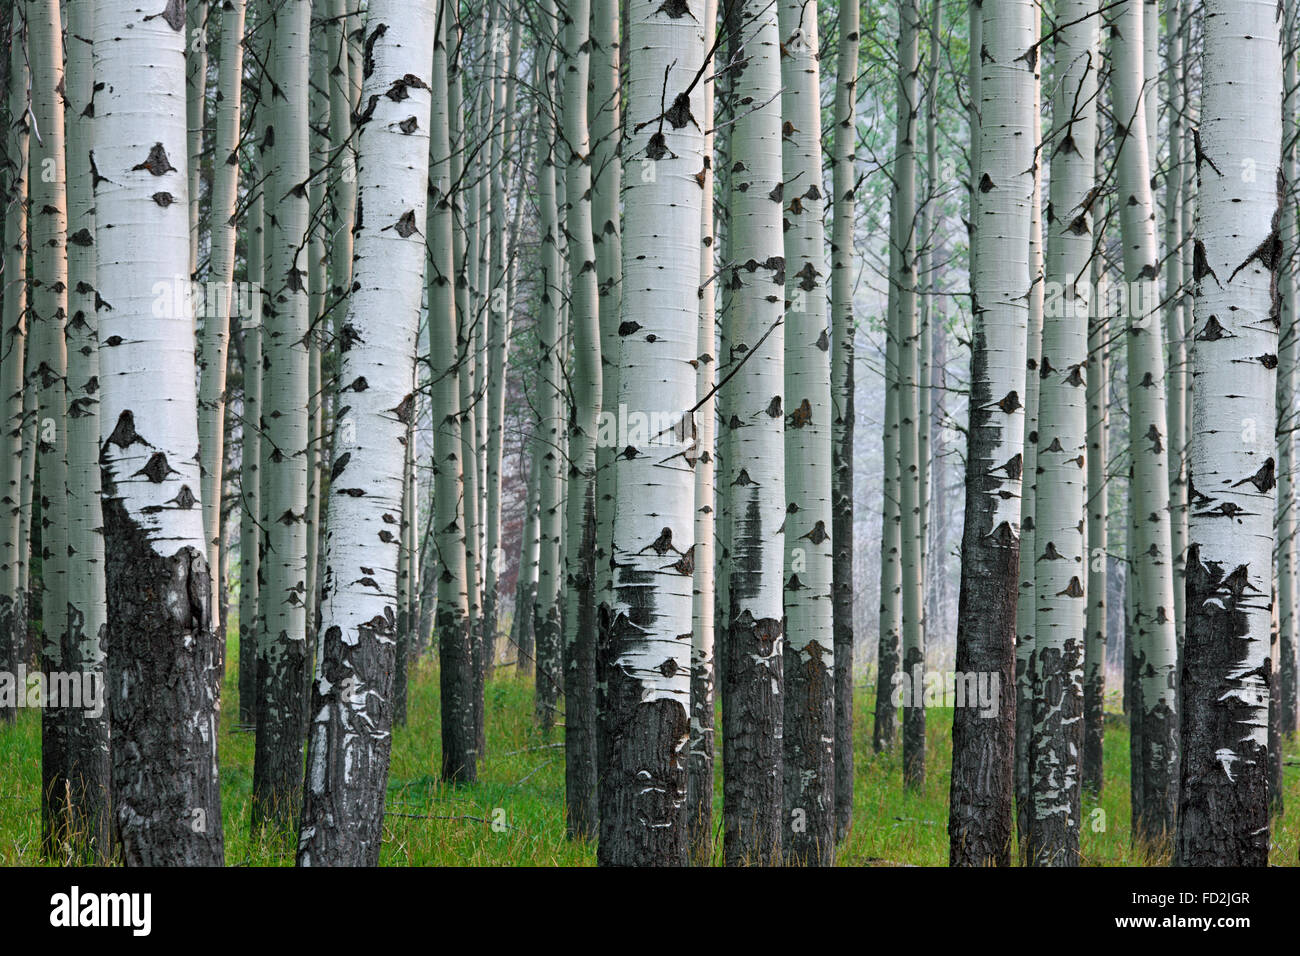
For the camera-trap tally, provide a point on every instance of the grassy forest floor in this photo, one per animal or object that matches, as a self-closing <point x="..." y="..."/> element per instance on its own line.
<point x="521" y="785"/>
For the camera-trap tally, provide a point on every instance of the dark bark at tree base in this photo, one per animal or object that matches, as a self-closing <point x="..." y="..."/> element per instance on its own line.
<point x="580" y="714"/>
<point x="752" y="715"/>
<point x="455" y="681"/>
<point x="247" y="673"/>
<point x="809" y="765"/>
<point x="349" y="751"/>
<point x="13" y="627"/>
<point x="1024" y="742"/>
<point x="1094" y="731"/>
<point x="699" y="781"/>
<point x="885" y="733"/>
<point x="163" y="683"/>
<point x="643" y="821"/>
<point x="983" y="748"/>
<point x="914" y="729"/>
<point x="550" y="637"/>
<point x="1052" y="834"/>
<point x="277" y="751"/>
<point x="1223" y="817"/>
<point x="89" y="772"/>
<point x="842" y="613"/>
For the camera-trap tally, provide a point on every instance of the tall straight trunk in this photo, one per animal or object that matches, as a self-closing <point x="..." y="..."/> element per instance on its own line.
<point x="844" y="212"/>
<point x="530" y="554"/>
<point x="1287" y="585"/>
<point x="1223" y="815"/>
<point x="752" y="698"/>
<point x="223" y="229"/>
<point x="88" y="768"/>
<point x="931" y="328"/>
<point x="13" y="339"/>
<point x="604" y="110"/>
<point x="654" y="556"/>
<point x="1098" y="492"/>
<point x="196" y="83"/>
<point x="350" y="736"/>
<point x="47" y="371"/>
<point x="1060" y="626"/>
<point x="1176" y="317"/>
<point x="499" y="316"/>
<point x="809" y="657"/>
<point x="1025" y="603"/>
<point x="585" y="377"/>
<point x="282" y="638"/>
<point x="250" y="530"/>
<point x="910" y="464"/>
<point x="700" y="765"/>
<point x="459" y="746"/>
<point x="162" y="653"/>
<point x="546" y="611"/>
<point x="979" y="823"/>
<point x="889" y="643"/>
<point x="317" y="293"/>
<point x="1155" y="713"/>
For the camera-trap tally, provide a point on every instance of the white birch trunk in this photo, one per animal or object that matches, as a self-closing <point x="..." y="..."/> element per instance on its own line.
<point x="350" y="732"/>
<point x="162" y="652"/>
<point x="653" y="546"/>
<point x="1223" y="817"/>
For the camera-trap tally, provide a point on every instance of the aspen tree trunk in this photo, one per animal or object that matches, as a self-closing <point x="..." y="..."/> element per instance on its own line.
<point x="13" y="339"/>
<point x="752" y="699"/>
<point x="402" y="629"/>
<point x="889" y="646"/>
<point x="1060" y="578"/>
<point x="1223" y="802"/>
<point x="1151" y="556"/>
<point x="223" y="228"/>
<point x="911" y="545"/>
<point x="343" y="182"/>
<point x="1098" y="491"/>
<point x="585" y="375"/>
<point x="455" y="674"/>
<point x="282" y="644"/>
<point x="250" y="531"/>
<point x="196" y="82"/>
<point x="932" y="329"/>
<point x="162" y="653"/>
<point x="317" y="291"/>
<point x="649" y="692"/>
<point x="844" y="211"/>
<point x="47" y="372"/>
<point x="1176" y="319"/>
<point x="350" y="737"/>
<point x="84" y="653"/>
<point x="499" y="314"/>
<point x="979" y="824"/>
<point x="546" y="613"/>
<point x="809" y="664"/>
<point x="1025" y="631"/>
<point x="530" y="554"/>
<point x="699" y="784"/>
<point x="1288" y="626"/>
<point x="605" y="117"/>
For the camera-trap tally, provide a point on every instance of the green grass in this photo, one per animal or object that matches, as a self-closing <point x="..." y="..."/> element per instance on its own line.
<point x="521" y="785"/>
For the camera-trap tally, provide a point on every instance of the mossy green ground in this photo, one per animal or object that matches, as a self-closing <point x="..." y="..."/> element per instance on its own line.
<point x="521" y="786"/>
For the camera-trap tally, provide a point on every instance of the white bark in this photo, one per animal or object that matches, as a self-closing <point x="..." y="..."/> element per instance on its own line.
<point x="349" y="739"/>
